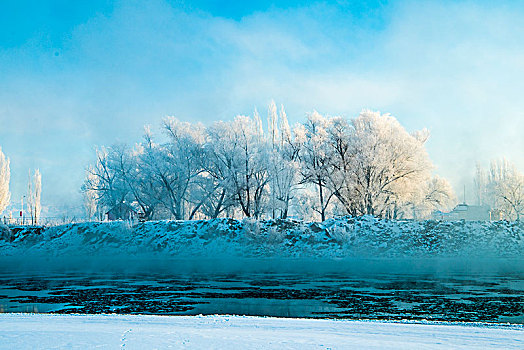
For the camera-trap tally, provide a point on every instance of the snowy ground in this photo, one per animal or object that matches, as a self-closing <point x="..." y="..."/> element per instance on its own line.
<point x="362" y="237"/>
<point x="41" y="331"/>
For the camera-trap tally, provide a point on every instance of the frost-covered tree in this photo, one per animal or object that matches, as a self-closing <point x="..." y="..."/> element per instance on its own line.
<point x="144" y="189"/>
<point x="171" y="170"/>
<point x="217" y="179"/>
<point x="273" y="156"/>
<point x="104" y="181"/>
<point x="241" y="153"/>
<point x="389" y="164"/>
<point x="341" y="179"/>
<point x="133" y="179"/>
<point x="502" y="187"/>
<point x="153" y="178"/>
<point x="435" y="194"/>
<point x="283" y="164"/>
<point x="316" y="158"/>
<point x="480" y="183"/>
<point x="91" y="207"/>
<point x="184" y="156"/>
<point x="34" y="196"/>
<point x="5" y="175"/>
<point x="286" y="183"/>
<point x="367" y="165"/>
<point x="371" y="164"/>
<point x="272" y="123"/>
<point x="509" y="194"/>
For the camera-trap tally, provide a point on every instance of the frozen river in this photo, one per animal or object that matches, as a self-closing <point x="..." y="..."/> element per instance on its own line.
<point x="479" y="297"/>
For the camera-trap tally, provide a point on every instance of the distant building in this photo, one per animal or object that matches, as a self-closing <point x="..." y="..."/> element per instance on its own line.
<point x="121" y="211"/>
<point x="467" y="212"/>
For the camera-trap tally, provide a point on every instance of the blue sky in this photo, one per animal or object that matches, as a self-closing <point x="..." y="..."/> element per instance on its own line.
<point x="75" y="75"/>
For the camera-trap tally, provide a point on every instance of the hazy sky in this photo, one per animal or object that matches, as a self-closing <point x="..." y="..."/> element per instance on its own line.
<point x="74" y="75"/>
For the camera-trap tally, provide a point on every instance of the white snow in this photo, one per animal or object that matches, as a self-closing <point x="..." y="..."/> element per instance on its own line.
<point x="335" y="238"/>
<point x="46" y="331"/>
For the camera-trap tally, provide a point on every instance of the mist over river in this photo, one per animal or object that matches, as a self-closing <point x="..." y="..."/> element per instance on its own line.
<point x="443" y="290"/>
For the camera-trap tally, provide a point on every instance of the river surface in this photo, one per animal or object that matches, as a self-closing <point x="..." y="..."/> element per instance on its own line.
<point x="458" y="297"/>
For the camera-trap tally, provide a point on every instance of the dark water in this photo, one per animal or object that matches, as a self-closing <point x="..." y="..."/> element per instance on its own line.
<point x="458" y="297"/>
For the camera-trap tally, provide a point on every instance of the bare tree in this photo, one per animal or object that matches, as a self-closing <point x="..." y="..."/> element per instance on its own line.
<point x="34" y="196"/>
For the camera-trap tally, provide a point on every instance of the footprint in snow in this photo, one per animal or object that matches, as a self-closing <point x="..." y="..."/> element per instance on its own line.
<point x="123" y="339"/>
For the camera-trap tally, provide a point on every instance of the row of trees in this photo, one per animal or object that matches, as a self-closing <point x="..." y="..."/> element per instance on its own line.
<point x="501" y="186"/>
<point x="34" y="189"/>
<point x="322" y="167"/>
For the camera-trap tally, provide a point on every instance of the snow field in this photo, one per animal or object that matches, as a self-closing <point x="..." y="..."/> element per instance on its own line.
<point x="47" y="331"/>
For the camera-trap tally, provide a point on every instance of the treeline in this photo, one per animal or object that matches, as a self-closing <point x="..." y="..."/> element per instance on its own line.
<point x="322" y="167"/>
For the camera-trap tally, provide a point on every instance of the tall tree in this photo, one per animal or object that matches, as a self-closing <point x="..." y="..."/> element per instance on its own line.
<point x="283" y="165"/>
<point x="389" y="164"/>
<point x="91" y="206"/>
<point x="315" y="158"/>
<point x="5" y="175"/>
<point x="34" y="196"/>
<point x="502" y="188"/>
<point x="341" y="178"/>
<point x="183" y="155"/>
<point x="242" y="156"/>
<point x="104" y="179"/>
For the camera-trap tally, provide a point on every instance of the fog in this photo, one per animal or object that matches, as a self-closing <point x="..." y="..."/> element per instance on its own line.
<point x="73" y="79"/>
<point x="151" y="265"/>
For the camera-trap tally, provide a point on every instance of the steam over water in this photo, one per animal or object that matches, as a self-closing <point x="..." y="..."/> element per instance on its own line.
<point x="446" y="291"/>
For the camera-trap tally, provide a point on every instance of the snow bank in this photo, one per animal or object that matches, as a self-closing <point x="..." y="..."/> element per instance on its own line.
<point x="364" y="237"/>
<point x="41" y="331"/>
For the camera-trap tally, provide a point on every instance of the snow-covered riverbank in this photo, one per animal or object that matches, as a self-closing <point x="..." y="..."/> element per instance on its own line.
<point x="38" y="331"/>
<point x="364" y="237"/>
